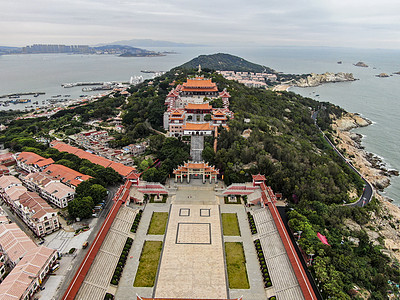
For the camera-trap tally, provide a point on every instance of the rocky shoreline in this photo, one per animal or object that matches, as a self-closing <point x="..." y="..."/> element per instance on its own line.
<point x="383" y="228"/>
<point x="371" y="166"/>
<point x="318" y="79"/>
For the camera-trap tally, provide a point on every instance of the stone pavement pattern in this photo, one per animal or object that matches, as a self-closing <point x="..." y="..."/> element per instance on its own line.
<point x="280" y="269"/>
<point x="193" y="270"/>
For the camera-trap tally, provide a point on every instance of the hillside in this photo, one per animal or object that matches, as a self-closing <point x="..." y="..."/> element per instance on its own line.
<point x="282" y="142"/>
<point x="225" y="62"/>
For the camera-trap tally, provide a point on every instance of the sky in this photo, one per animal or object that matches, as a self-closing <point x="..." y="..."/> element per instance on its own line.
<point x="336" y="23"/>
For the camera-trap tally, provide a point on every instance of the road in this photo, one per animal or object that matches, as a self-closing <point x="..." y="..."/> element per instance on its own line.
<point x="368" y="192"/>
<point x="81" y="254"/>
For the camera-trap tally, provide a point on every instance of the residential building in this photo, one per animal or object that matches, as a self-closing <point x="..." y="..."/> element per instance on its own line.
<point x="49" y="188"/>
<point x="28" y="275"/>
<point x="31" y="162"/>
<point x="66" y="175"/>
<point x="40" y="217"/>
<point x="14" y="243"/>
<point x="106" y="163"/>
<point x="7" y="159"/>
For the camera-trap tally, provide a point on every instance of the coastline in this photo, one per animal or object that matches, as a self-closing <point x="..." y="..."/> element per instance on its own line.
<point x="386" y="223"/>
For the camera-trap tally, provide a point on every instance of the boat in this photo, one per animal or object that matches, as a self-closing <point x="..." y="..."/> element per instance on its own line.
<point x="36" y="95"/>
<point x="67" y="95"/>
<point x="13" y="96"/>
<point x="339" y="62"/>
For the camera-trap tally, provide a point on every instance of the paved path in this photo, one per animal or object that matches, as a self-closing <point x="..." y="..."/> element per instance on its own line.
<point x="256" y="291"/>
<point x="282" y="275"/>
<point x="126" y="290"/>
<point x="192" y="263"/>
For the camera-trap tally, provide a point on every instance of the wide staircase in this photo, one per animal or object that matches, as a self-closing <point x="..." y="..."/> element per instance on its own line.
<point x="280" y="269"/>
<point x="97" y="280"/>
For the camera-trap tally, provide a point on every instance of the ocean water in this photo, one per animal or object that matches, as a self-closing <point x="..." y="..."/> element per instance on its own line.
<point x="375" y="98"/>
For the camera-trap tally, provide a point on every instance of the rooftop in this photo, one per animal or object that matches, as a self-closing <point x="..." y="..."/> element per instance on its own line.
<point x="197" y="126"/>
<point x="27" y="270"/>
<point x="14" y="241"/>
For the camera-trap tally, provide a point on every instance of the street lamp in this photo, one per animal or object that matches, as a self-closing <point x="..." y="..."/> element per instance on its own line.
<point x="311" y="258"/>
<point x="299" y="232"/>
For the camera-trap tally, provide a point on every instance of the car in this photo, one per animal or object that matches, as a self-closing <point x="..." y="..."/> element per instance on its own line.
<point x="85" y="244"/>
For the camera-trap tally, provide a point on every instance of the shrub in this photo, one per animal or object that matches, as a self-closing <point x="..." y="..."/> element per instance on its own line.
<point x="72" y="250"/>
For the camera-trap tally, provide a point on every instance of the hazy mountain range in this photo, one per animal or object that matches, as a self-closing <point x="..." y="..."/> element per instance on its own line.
<point x="150" y="43"/>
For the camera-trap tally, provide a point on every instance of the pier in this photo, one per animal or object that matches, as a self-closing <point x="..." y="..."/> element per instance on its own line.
<point x="21" y="94"/>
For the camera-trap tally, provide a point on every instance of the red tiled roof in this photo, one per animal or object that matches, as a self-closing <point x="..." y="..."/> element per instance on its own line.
<point x="258" y="177"/>
<point x="197" y="126"/>
<point x="66" y="175"/>
<point x="98" y="160"/>
<point x="31" y="158"/>
<point x="199" y="82"/>
<point x="198" y="106"/>
<point x="45" y="162"/>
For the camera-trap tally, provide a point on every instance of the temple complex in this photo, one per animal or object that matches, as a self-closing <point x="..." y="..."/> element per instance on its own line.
<point x="189" y="102"/>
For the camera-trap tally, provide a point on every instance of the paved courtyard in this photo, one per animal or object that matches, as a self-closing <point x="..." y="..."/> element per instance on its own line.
<point x="192" y="263"/>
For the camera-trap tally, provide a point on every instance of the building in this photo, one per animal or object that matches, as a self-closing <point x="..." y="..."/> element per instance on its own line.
<point x="66" y="175"/>
<point x="106" y="163"/>
<point x="40" y="217"/>
<point x="31" y="162"/>
<point x="14" y="243"/>
<point x="189" y="103"/>
<point x="196" y="170"/>
<point x="7" y="159"/>
<point x="28" y="275"/>
<point x="49" y="188"/>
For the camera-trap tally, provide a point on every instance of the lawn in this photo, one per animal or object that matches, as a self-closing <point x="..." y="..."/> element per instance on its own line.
<point x="158" y="223"/>
<point x="230" y="224"/>
<point x="236" y="265"/>
<point x="148" y="264"/>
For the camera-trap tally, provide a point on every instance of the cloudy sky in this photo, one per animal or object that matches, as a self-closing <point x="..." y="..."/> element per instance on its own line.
<point x="343" y="23"/>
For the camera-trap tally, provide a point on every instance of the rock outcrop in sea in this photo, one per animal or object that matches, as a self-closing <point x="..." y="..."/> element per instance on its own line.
<point x="361" y="64"/>
<point x="318" y="79"/>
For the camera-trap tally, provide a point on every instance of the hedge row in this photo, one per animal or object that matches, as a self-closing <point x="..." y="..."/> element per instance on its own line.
<point x="251" y="223"/>
<point x="136" y="222"/>
<point x="263" y="265"/>
<point x="121" y="263"/>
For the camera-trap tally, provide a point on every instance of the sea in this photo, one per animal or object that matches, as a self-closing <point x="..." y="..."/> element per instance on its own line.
<point x="374" y="98"/>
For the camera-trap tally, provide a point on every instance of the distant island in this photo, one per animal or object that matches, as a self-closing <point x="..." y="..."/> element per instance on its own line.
<point x="121" y="50"/>
<point x="151" y="43"/>
<point x="361" y="64"/>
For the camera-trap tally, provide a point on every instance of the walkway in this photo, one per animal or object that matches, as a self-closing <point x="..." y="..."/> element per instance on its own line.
<point x="280" y="269"/>
<point x="98" y="278"/>
<point x="192" y="263"/>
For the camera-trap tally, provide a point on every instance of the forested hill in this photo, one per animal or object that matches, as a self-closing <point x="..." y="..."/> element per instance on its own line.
<point x="225" y="62"/>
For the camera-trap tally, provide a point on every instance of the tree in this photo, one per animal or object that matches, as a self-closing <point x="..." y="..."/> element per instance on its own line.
<point x="97" y="192"/>
<point x="81" y="207"/>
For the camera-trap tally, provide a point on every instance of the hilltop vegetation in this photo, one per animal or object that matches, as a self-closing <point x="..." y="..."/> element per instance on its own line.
<point x="225" y="62"/>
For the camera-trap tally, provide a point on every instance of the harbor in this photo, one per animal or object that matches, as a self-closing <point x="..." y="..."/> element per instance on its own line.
<point x="18" y="95"/>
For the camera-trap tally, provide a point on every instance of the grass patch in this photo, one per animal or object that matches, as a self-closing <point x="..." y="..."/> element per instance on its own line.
<point x="148" y="264"/>
<point x="230" y="225"/>
<point x="236" y="265"/>
<point x="158" y="223"/>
